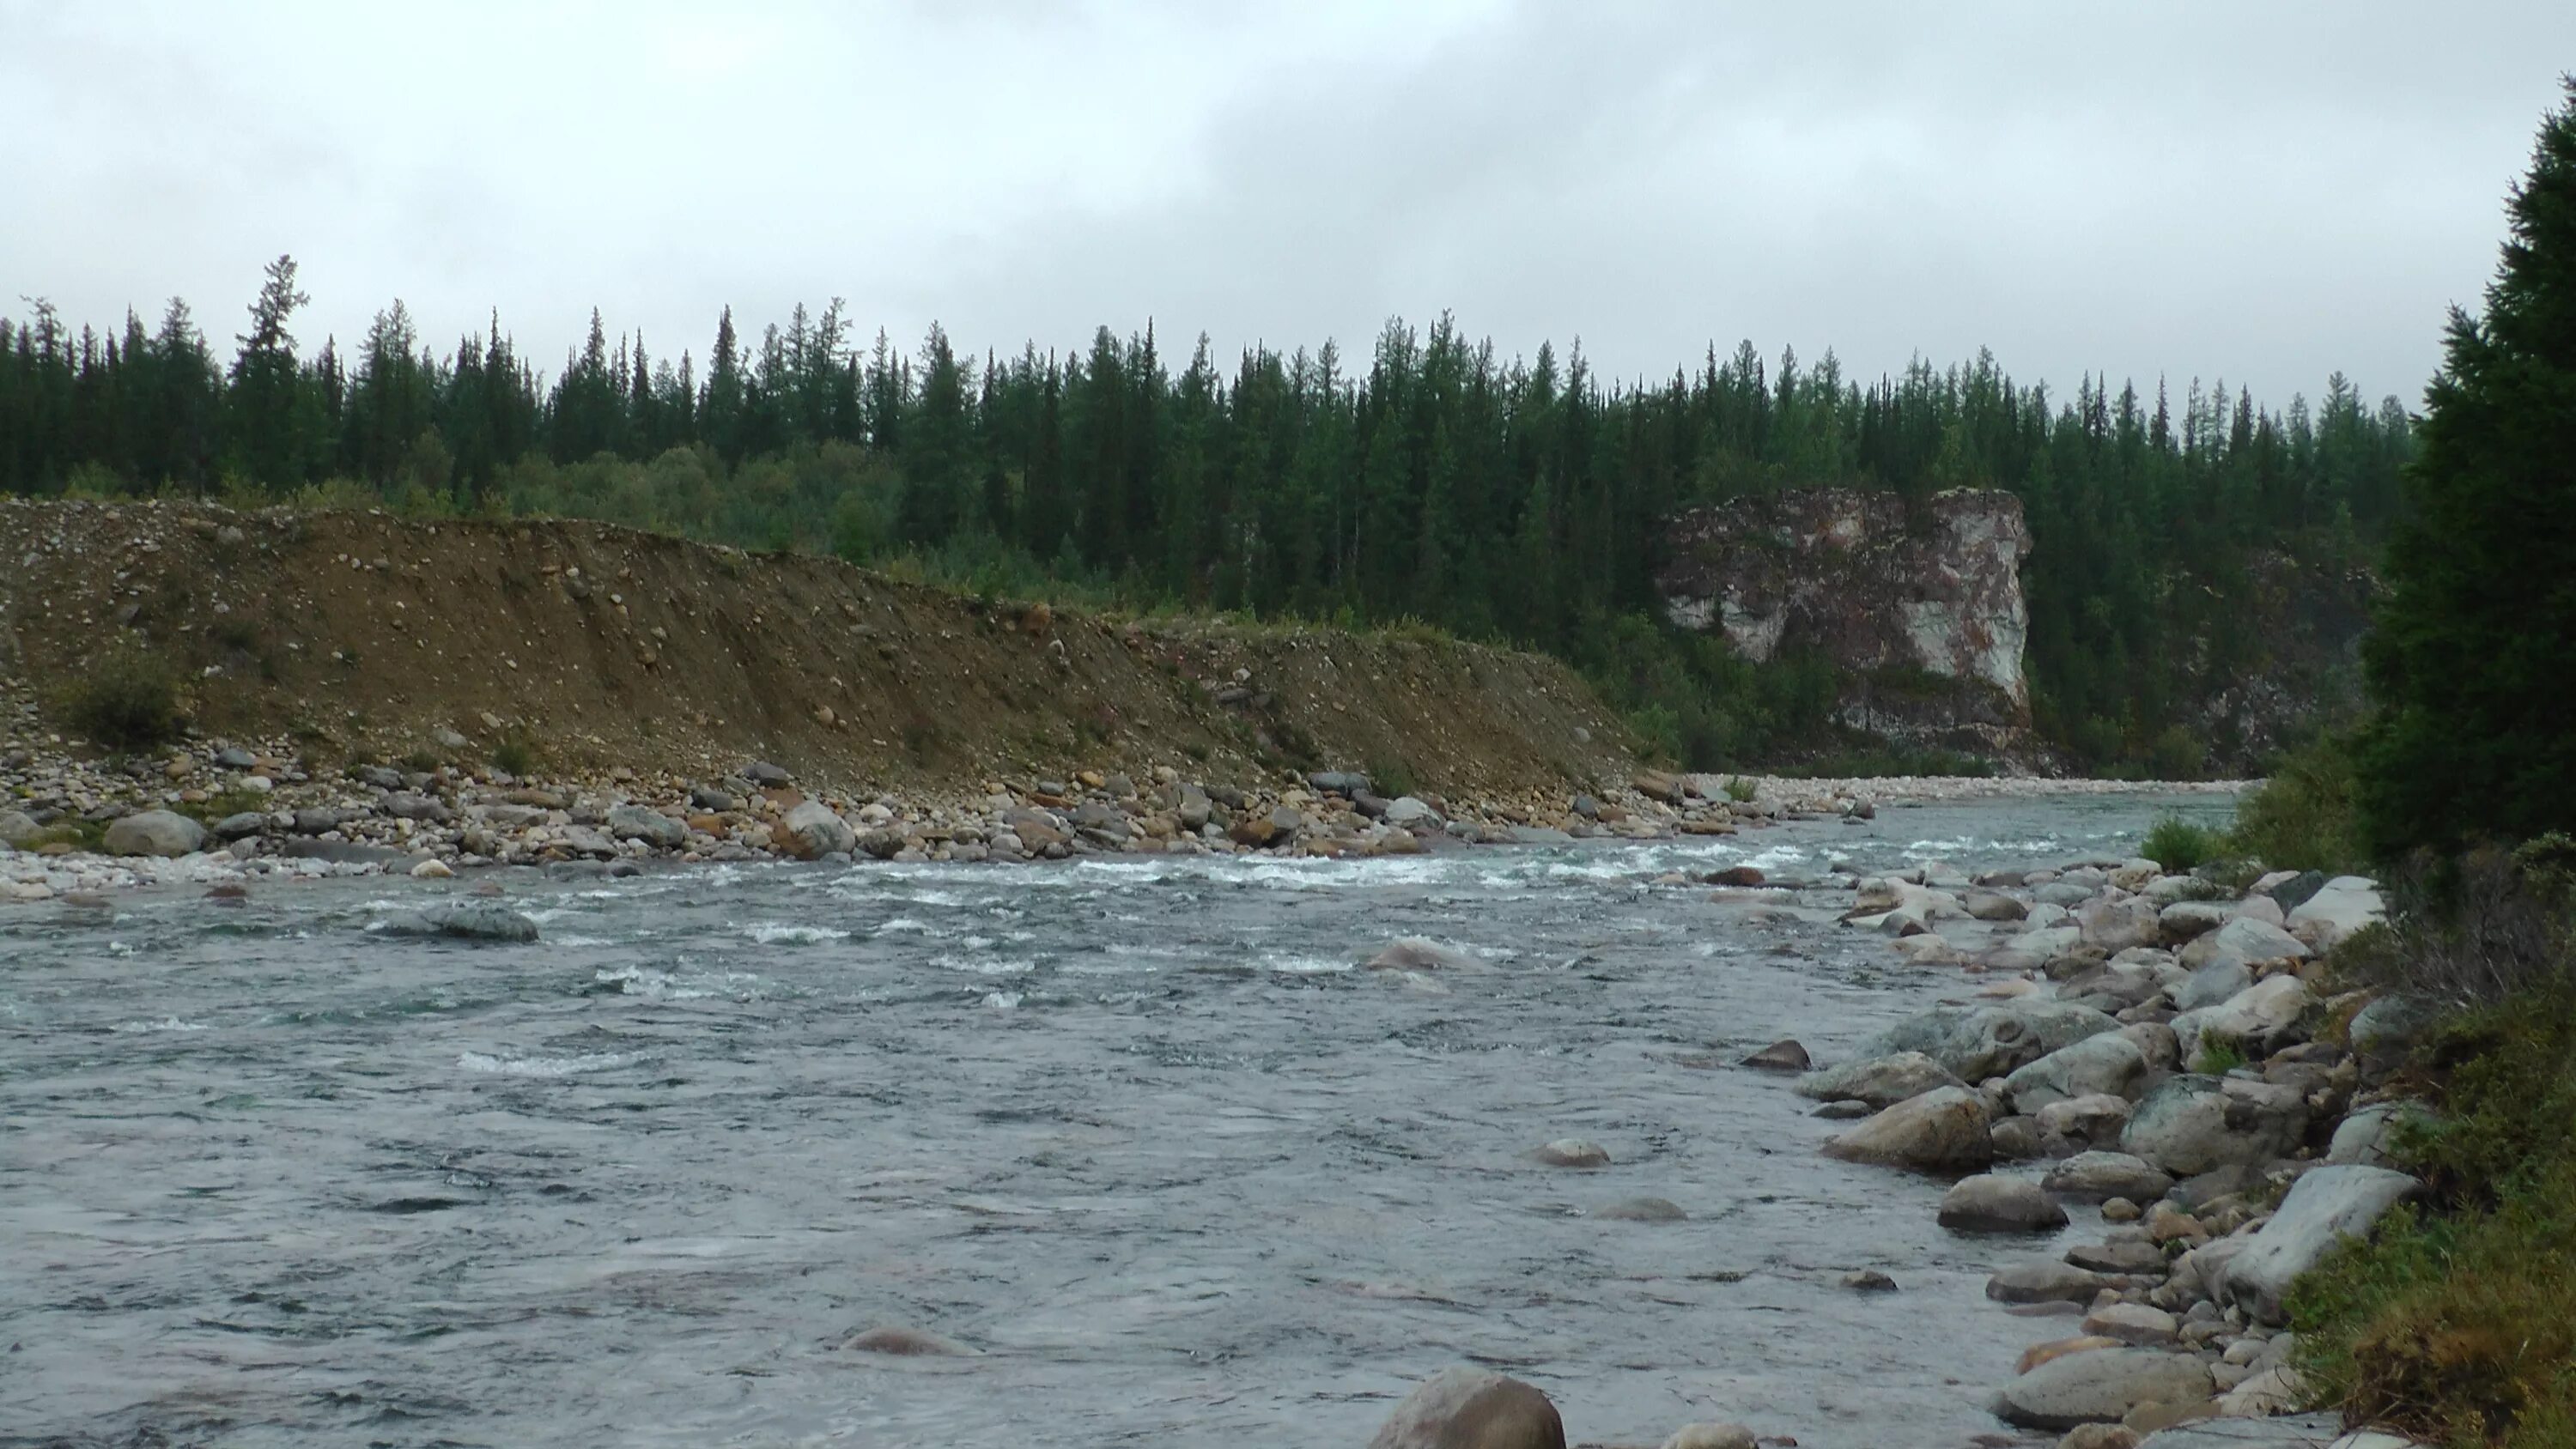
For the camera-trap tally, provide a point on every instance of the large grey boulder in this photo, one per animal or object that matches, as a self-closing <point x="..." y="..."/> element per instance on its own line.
<point x="2116" y="925"/>
<point x="2213" y="984"/>
<point x="2190" y="920"/>
<point x="2340" y="907"/>
<point x="2325" y="1206"/>
<point x="2257" y="1021"/>
<point x="18" y="828"/>
<point x="1977" y="1042"/>
<point x="2191" y="1124"/>
<point x="465" y="921"/>
<point x="1472" y="1408"/>
<point x="634" y="822"/>
<point x="241" y="825"/>
<point x="1991" y="1203"/>
<point x="2245" y="939"/>
<point x="1879" y="1081"/>
<point x="155" y="832"/>
<point x="2101" y="1387"/>
<point x="2108" y="1064"/>
<point x="813" y="830"/>
<point x="1943" y="1130"/>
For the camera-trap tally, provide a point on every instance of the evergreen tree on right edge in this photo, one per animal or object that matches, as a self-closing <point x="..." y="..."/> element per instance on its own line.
<point x="2473" y="660"/>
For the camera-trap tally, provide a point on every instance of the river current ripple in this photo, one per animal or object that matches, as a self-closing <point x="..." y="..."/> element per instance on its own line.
<point x="1136" y="1129"/>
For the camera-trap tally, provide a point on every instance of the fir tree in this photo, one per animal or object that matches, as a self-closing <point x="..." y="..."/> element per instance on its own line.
<point x="2474" y="657"/>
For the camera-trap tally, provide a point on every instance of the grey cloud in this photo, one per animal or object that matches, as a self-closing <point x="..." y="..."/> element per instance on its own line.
<point x="2268" y="192"/>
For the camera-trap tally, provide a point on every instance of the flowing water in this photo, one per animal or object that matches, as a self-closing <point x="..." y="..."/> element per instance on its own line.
<point x="1135" y="1129"/>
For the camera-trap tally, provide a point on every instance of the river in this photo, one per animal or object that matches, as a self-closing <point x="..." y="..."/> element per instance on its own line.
<point x="1134" y="1129"/>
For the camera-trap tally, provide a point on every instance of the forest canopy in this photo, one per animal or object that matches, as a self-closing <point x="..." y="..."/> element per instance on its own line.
<point x="1514" y="499"/>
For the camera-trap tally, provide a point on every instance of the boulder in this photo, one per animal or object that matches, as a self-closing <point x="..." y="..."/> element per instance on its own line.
<point x="2248" y="940"/>
<point x="2044" y="1280"/>
<point x="1780" y="1056"/>
<point x="474" y="920"/>
<point x="2191" y="920"/>
<point x="241" y="825"/>
<point x="1977" y="1042"/>
<point x="2087" y="1121"/>
<point x="340" y="852"/>
<point x="2324" y="1207"/>
<point x="1712" y="1436"/>
<point x="411" y="805"/>
<point x="2100" y="1176"/>
<point x="18" y="828"/>
<point x="1407" y="811"/>
<point x="2213" y="984"/>
<point x="2322" y="1430"/>
<point x="1988" y="905"/>
<point x="813" y="830"/>
<point x="154" y="832"/>
<point x="2116" y="925"/>
<point x="2135" y="1324"/>
<point x="2190" y="1124"/>
<point x="2340" y="907"/>
<point x="2101" y="1387"/>
<point x="1879" y="1081"/>
<point x="1942" y="1130"/>
<point x="2107" y="1064"/>
<point x="660" y="831"/>
<point x="1989" y="1203"/>
<point x="2258" y="1021"/>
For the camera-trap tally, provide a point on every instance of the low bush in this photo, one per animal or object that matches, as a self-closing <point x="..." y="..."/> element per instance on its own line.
<point x="2457" y="1323"/>
<point x="2179" y="845"/>
<point x="125" y="700"/>
<point x="2302" y="816"/>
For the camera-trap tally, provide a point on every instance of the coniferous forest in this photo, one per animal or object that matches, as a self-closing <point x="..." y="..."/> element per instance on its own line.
<point x="1514" y="499"/>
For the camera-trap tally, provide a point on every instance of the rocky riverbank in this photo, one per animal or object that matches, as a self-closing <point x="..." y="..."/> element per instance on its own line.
<point x="2163" y="1061"/>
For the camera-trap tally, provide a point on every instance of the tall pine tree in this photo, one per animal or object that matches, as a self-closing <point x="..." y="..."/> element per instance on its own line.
<point x="2474" y="657"/>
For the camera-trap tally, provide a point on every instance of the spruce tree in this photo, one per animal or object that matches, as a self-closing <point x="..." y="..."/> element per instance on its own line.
<point x="2473" y="661"/>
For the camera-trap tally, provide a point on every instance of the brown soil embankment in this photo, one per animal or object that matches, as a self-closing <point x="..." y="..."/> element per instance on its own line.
<point x="594" y="646"/>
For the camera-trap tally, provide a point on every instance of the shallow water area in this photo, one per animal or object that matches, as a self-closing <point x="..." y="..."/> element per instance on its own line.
<point x="1136" y="1129"/>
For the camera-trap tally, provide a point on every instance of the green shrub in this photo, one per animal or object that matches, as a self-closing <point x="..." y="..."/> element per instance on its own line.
<point x="1391" y="776"/>
<point x="2302" y="817"/>
<point x="2218" y="1058"/>
<point x="2179" y="845"/>
<point x="2458" y="1324"/>
<point x="515" y="755"/>
<point x="127" y="700"/>
<point x="1742" y="789"/>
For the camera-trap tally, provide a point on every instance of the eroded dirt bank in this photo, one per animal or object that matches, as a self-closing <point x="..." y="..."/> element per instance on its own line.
<point x="589" y="646"/>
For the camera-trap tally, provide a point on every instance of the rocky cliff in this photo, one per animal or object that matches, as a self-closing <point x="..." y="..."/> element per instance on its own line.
<point x="1917" y="602"/>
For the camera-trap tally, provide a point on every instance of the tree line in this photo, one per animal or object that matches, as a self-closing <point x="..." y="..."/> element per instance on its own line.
<point x="1516" y="499"/>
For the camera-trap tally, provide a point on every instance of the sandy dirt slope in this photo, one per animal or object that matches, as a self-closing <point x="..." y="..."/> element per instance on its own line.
<point x="596" y="646"/>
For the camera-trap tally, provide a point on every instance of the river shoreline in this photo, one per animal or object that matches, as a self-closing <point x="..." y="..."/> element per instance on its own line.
<point x="221" y="812"/>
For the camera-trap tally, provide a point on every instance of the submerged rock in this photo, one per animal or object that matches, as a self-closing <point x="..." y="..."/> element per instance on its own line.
<point x="1420" y="953"/>
<point x="471" y="920"/>
<point x="1573" y="1152"/>
<point x="907" y="1343"/>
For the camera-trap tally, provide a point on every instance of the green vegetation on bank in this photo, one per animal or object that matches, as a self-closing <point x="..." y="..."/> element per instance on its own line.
<point x="1517" y="500"/>
<point x="2456" y="1322"/>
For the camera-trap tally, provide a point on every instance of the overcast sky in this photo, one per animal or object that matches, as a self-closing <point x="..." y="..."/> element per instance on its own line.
<point x="2262" y="191"/>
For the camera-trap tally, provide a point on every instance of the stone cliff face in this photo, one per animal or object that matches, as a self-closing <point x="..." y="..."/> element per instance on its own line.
<point x="1920" y="603"/>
